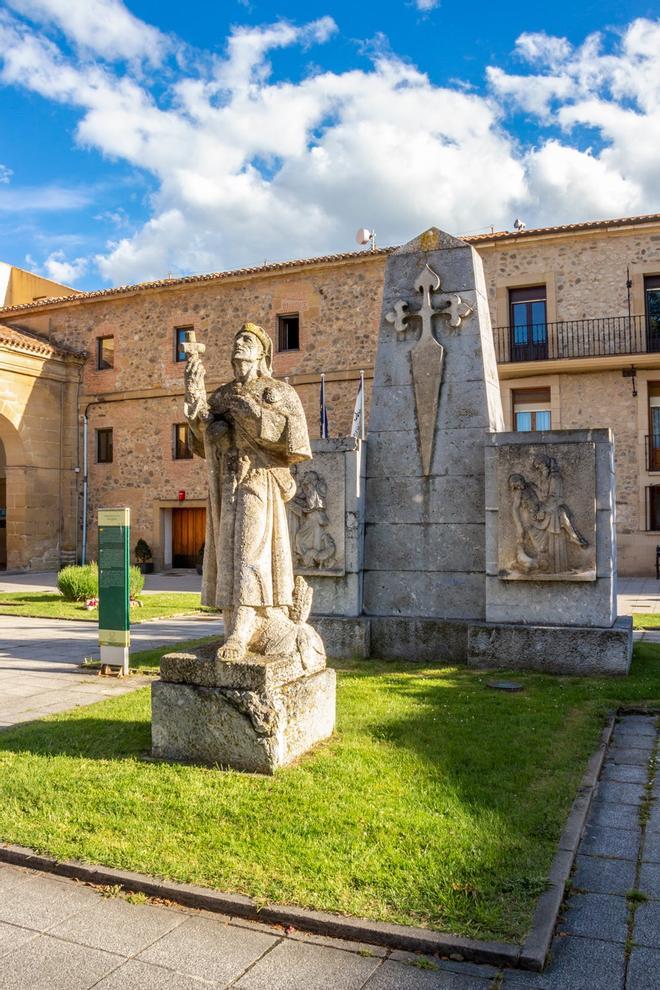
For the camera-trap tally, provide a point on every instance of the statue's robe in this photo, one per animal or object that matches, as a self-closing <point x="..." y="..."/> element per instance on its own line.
<point x="247" y="554"/>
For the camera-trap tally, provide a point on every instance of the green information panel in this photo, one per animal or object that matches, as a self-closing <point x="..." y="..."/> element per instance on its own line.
<point x="114" y="599"/>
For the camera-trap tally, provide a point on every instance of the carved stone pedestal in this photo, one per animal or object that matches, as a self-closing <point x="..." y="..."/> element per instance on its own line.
<point x="254" y="714"/>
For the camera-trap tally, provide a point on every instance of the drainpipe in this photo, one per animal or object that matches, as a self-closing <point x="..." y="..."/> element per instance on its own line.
<point x="85" y="487"/>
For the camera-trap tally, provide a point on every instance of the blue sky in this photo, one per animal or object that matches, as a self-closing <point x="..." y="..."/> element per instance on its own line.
<point x="137" y="143"/>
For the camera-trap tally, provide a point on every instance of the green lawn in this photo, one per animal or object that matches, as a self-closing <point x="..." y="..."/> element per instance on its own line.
<point x="51" y="605"/>
<point x="646" y="620"/>
<point x="439" y="801"/>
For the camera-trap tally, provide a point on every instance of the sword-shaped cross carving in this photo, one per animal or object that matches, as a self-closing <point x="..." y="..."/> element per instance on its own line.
<point x="428" y="355"/>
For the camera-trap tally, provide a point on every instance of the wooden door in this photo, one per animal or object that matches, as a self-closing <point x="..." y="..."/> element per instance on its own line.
<point x="188" y="532"/>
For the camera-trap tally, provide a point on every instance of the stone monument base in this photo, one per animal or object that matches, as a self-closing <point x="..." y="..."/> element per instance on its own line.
<point x="547" y="648"/>
<point x="256" y="714"/>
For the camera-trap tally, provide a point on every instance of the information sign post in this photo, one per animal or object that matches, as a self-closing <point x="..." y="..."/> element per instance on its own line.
<point x="114" y="599"/>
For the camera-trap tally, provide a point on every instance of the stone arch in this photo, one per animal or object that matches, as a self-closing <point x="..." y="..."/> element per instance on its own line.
<point x="14" y="469"/>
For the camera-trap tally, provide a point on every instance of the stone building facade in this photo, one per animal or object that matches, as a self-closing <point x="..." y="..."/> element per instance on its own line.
<point x="586" y="357"/>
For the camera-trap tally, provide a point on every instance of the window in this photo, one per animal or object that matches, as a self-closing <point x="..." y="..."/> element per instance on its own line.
<point x="528" y="323"/>
<point x="104" y="446"/>
<point x="180" y="338"/>
<point x="105" y="353"/>
<point x="288" y="332"/>
<point x="180" y="448"/>
<point x="653" y="507"/>
<point x="652" y="310"/>
<point x="654" y="427"/>
<point x="531" y="409"/>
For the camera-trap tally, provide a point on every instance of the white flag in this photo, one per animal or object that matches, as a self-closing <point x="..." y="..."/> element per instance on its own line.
<point x="358" y="412"/>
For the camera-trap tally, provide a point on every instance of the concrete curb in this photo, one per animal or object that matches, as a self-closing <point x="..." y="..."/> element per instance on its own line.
<point x="531" y="955"/>
<point x="535" y="948"/>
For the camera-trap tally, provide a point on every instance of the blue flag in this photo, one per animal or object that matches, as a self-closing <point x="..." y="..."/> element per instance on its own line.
<point x="323" y="412"/>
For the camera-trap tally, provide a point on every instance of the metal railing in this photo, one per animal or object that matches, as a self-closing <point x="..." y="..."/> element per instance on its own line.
<point x="600" y="337"/>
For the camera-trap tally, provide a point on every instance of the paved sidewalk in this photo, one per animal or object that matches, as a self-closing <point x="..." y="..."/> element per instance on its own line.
<point x="39" y="660"/>
<point x="62" y="935"/>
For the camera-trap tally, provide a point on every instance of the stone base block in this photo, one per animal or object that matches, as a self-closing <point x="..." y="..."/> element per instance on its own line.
<point x="255" y="731"/>
<point x="552" y="649"/>
<point x="343" y="636"/>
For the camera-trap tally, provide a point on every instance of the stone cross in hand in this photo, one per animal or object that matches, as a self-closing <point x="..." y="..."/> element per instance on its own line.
<point x="195" y="395"/>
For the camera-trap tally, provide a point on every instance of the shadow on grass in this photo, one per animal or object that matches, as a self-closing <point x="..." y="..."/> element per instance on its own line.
<point x="80" y="737"/>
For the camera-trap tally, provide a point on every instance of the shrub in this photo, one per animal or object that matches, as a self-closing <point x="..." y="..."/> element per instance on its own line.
<point x="78" y="583"/>
<point x="142" y="551"/>
<point x="135" y="581"/>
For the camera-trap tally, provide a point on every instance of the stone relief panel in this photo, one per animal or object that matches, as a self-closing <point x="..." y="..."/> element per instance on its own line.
<point x="316" y="517"/>
<point x="546" y="512"/>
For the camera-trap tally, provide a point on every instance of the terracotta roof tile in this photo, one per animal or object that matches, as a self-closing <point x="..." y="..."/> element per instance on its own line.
<point x="23" y="340"/>
<point x="279" y="266"/>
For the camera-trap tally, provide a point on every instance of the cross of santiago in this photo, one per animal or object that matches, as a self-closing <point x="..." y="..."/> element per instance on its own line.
<point x="428" y="282"/>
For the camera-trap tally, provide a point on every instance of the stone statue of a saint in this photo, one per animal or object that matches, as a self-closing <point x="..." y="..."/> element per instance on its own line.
<point x="250" y="431"/>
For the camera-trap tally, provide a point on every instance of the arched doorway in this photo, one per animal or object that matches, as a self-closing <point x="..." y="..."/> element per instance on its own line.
<point x="3" y="508"/>
<point x="13" y="498"/>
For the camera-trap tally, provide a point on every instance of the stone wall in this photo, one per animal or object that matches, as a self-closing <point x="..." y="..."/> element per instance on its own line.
<point x="38" y="431"/>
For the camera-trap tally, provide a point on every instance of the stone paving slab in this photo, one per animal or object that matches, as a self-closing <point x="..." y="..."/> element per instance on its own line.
<point x="618" y="793"/>
<point x="651" y="849"/>
<point x="210" y="949"/>
<point x="134" y="975"/>
<point x="396" y="976"/>
<point x="614" y="815"/>
<point x="623" y="774"/>
<point x="647" y="925"/>
<point x="614" y="843"/>
<point x="45" y="963"/>
<point x="596" y="875"/>
<point x="597" y="916"/>
<point x="293" y="965"/>
<point x="44" y="901"/>
<point x="114" y="925"/>
<point x="649" y="880"/>
<point x="576" y="964"/>
<point x="643" y="969"/>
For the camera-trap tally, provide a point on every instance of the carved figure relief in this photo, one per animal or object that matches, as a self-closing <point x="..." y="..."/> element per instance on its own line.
<point x="313" y="546"/>
<point x="427" y="356"/>
<point x="544" y="523"/>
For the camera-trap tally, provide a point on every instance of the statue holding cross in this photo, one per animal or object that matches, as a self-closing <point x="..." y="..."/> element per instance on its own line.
<point x="250" y="431"/>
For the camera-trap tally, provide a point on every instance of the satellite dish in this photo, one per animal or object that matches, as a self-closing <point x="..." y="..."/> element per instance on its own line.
<point x="365" y="236"/>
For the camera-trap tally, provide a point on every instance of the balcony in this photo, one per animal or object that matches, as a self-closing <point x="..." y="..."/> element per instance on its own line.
<point x="602" y="337"/>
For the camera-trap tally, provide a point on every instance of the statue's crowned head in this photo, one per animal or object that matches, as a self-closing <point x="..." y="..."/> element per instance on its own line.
<point x="245" y="350"/>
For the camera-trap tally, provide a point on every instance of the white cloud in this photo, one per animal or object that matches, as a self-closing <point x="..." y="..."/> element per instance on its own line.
<point x="104" y="27"/>
<point x="60" y="270"/>
<point x="426" y="5"/>
<point x="247" y="167"/>
<point x="5" y="174"/>
<point x="31" y="199"/>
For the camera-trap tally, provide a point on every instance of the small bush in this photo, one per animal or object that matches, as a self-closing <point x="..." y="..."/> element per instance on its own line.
<point x="77" y="584"/>
<point x="142" y="552"/>
<point x="135" y="582"/>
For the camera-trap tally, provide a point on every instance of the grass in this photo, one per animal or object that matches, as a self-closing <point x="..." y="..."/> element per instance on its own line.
<point x="646" y="620"/>
<point x="148" y="661"/>
<point x="51" y="605"/>
<point x="439" y="801"/>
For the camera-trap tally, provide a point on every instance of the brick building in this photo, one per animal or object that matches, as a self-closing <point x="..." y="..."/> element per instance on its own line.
<point x="576" y="317"/>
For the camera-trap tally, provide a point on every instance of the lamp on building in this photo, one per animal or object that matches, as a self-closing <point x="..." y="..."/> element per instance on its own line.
<point x="182" y="495"/>
<point x="631" y="372"/>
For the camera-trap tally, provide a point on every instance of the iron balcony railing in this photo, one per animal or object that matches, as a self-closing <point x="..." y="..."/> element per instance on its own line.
<point x="601" y="337"/>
